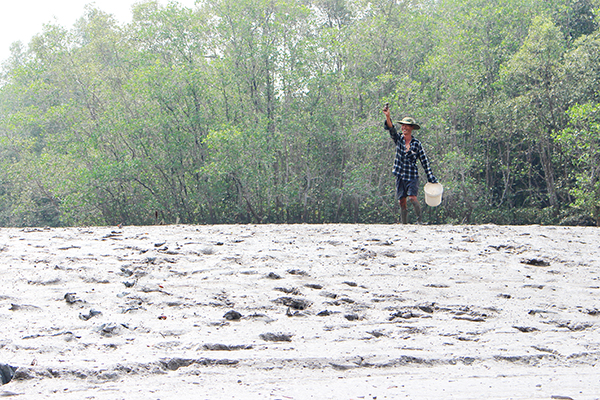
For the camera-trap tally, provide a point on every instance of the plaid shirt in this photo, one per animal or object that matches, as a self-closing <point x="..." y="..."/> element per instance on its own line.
<point x="405" y="163"/>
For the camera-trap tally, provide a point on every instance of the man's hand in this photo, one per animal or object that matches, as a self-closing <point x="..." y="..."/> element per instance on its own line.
<point x="386" y="112"/>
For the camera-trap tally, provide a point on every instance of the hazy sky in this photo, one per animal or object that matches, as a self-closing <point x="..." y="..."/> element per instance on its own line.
<point x="21" y="19"/>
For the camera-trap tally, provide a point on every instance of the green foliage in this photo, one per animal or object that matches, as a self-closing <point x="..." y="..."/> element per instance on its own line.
<point x="270" y="112"/>
<point x="581" y="143"/>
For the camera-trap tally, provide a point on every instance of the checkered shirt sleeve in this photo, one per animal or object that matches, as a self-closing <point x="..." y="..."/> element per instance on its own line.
<point x="405" y="162"/>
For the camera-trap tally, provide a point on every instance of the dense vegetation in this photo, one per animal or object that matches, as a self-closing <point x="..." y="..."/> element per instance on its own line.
<point x="269" y="111"/>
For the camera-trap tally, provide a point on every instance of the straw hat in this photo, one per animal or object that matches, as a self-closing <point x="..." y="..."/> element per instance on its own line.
<point x="410" y="121"/>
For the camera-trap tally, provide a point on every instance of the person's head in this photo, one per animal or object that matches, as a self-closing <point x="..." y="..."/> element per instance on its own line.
<point x="409" y="124"/>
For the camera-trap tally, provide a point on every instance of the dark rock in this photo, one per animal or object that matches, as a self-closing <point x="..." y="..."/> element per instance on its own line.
<point x="297" y="272"/>
<point x="314" y="286"/>
<point x="273" y="275"/>
<point x="352" y="284"/>
<point x="225" y="347"/>
<point x="341" y="367"/>
<point x="175" y="363"/>
<point x="534" y="286"/>
<point x="289" y="313"/>
<point x="534" y="312"/>
<point x="470" y="318"/>
<point x="7" y="372"/>
<point x="24" y="374"/>
<point x="71" y="299"/>
<point x="427" y="309"/>
<point x="276" y="337"/>
<point x="351" y="317"/>
<point x="109" y="330"/>
<point x="232" y="316"/>
<point x="292" y="291"/>
<point x="91" y="314"/>
<point x="535" y="262"/>
<point x="324" y="313"/>
<point x="296" y="304"/>
<point x="526" y="329"/>
<point x="575" y="327"/>
<point x="329" y="295"/>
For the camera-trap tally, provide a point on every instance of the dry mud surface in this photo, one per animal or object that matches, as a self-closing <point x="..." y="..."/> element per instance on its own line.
<point x="301" y="311"/>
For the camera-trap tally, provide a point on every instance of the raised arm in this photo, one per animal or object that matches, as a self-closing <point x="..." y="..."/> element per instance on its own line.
<point x="389" y="125"/>
<point x="386" y="112"/>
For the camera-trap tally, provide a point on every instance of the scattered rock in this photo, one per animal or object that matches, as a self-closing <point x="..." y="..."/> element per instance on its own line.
<point x="70" y="298"/>
<point x="69" y="247"/>
<point x="225" y="347"/>
<point x="437" y="285"/>
<point x="342" y="367"/>
<point x="289" y="313"/>
<point x="534" y="312"/>
<point x="232" y="316"/>
<point x="351" y="317"/>
<point x="329" y="295"/>
<point x="526" y="329"/>
<point x="314" y="286"/>
<point x="175" y="363"/>
<point x="324" y="313"/>
<point x="352" y="284"/>
<point x="89" y="315"/>
<point x="261" y="317"/>
<point x="297" y="272"/>
<point x="273" y="275"/>
<point x="575" y="326"/>
<point x="296" y="304"/>
<point x="208" y="251"/>
<point x="292" y="291"/>
<point x="534" y="286"/>
<point x="54" y="281"/>
<point x="427" y="309"/>
<point x="109" y="330"/>
<point x="537" y="262"/>
<point x="7" y="372"/>
<point x="470" y="318"/>
<point x="545" y="350"/>
<point x="276" y="337"/>
<point x="22" y="307"/>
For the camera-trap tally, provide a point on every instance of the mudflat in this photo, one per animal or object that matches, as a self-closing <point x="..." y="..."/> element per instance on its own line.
<point x="301" y="311"/>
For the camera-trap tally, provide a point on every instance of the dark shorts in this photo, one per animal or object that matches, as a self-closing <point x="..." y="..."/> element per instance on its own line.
<point x="406" y="188"/>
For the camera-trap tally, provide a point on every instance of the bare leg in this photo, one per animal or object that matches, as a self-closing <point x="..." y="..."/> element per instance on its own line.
<point x="417" y="207"/>
<point x="403" y="210"/>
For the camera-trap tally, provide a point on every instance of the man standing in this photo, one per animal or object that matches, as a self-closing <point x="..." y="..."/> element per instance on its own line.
<point x="408" y="150"/>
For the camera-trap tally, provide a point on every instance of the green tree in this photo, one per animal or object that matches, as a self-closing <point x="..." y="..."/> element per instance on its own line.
<point x="532" y="83"/>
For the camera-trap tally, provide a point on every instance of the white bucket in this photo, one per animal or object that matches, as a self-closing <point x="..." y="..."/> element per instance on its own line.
<point x="433" y="194"/>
